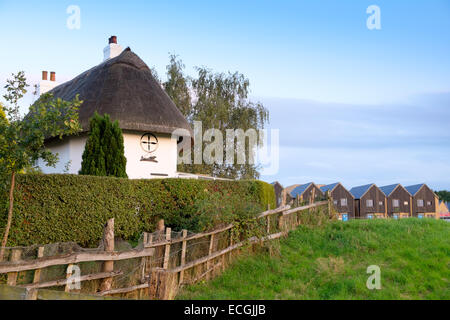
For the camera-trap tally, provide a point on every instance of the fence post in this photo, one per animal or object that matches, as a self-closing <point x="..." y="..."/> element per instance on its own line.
<point x="385" y="208"/>
<point x="32" y="293"/>
<point x="162" y="285"/>
<point x="281" y="222"/>
<point x="108" y="243"/>
<point x="268" y="224"/>
<point x="68" y="275"/>
<point x="37" y="272"/>
<point x="144" y="259"/>
<point x="208" y="263"/>
<point x="183" y="255"/>
<point x="12" y="276"/>
<point x="230" y="257"/>
<point x="148" y="260"/>
<point x="329" y="203"/>
<point x="167" y="251"/>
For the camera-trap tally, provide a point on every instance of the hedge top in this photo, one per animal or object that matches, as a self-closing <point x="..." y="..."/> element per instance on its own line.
<point x="60" y="208"/>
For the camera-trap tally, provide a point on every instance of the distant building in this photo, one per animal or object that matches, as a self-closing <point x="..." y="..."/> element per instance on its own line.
<point x="343" y="200"/>
<point x="370" y="201"/>
<point x="399" y="201"/>
<point x="306" y="193"/>
<point x="278" y="193"/>
<point x="443" y="208"/>
<point x="425" y="201"/>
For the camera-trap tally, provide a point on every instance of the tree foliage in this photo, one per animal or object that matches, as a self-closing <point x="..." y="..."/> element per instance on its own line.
<point x="104" y="151"/>
<point x="22" y="137"/>
<point x="220" y="101"/>
<point x="444" y="195"/>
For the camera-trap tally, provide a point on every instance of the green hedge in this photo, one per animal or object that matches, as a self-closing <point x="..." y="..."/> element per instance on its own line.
<point x="54" y="208"/>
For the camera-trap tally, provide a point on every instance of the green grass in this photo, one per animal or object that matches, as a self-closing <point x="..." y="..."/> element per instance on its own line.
<point x="330" y="262"/>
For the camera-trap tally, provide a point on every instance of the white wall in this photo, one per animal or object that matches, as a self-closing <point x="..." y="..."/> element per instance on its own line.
<point x="166" y="155"/>
<point x="71" y="148"/>
<point x="68" y="149"/>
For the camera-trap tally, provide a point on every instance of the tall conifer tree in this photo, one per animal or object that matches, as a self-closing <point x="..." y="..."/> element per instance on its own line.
<point x="104" y="151"/>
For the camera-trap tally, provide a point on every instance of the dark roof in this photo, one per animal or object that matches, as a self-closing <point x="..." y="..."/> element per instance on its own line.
<point x="414" y="189"/>
<point x="298" y="191"/>
<point x="329" y="187"/>
<point x="290" y="188"/>
<point x="359" y="191"/>
<point x="387" y="190"/>
<point x="124" y="88"/>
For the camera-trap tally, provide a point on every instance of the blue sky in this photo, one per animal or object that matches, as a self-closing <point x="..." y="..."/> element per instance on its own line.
<point x="352" y="104"/>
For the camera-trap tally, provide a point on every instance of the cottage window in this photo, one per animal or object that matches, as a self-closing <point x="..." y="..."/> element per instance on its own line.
<point x="428" y="203"/>
<point x="380" y="203"/>
<point x="343" y="202"/>
<point x="335" y="202"/>
<point x="405" y="203"/>
<point x="395" y="203"/>
<point x="369" y="203"/>
<point x="420" y="203"/>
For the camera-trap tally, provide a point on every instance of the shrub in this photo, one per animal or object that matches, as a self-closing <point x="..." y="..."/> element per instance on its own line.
<point x="104" y="151"/>
<point x="56" y="208"/>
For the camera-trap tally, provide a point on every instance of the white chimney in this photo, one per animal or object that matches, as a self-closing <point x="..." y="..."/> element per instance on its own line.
<point x="112" y="49"/>
<point x="46" y="85"/>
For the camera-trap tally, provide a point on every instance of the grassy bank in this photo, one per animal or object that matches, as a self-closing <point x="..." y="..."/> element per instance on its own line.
<point x="330" y="262"/>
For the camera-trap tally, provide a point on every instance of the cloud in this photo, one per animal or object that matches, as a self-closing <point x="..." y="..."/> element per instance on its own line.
<point x="357" y="144"/>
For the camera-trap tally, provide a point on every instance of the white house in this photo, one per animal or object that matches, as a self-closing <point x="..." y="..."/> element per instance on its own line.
<point x="123" y="87"/>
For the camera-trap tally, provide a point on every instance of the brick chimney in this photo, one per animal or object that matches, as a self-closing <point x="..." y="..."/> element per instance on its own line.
<point x="112" y="49"/>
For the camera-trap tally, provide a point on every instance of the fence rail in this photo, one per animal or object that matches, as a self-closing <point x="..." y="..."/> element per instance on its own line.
<point x="163" y="264"/>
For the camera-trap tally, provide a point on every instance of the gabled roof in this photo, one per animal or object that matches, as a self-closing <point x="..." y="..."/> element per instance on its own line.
<point x="124" y="88"/>
<point x="387" y="190"/>
<point x="276" y="182"/>
<point x="359" y="191"/>
<point x="329" y="187"/>
<point x="299" y="190"/>
<point x="290" y="188"/>
<point x="414" y="188"/>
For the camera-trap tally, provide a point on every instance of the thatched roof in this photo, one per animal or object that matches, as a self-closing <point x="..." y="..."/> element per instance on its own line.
<point x="124" y="88"/>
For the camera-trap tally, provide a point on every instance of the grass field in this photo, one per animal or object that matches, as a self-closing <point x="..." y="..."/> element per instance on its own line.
<point x="330" y="262"/>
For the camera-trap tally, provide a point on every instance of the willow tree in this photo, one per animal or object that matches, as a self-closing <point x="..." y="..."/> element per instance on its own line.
<point x="220" y="101"/>
<point x="104" y="153"/>
<point x="22" y="137"/>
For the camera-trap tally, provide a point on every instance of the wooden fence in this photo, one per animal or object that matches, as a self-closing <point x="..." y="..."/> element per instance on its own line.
<point x="166" y="260"/>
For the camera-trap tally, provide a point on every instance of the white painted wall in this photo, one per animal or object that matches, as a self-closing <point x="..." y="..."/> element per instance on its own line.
<point x="68" y="149"/>
<point x="45" y="86"/>
<point x="112" y="50"/>
<point x="166" y="155"/>
<point x="72" y="148"/>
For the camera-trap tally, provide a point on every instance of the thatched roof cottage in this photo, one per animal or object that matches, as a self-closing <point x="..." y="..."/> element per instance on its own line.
<point x="123" y="87"/>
